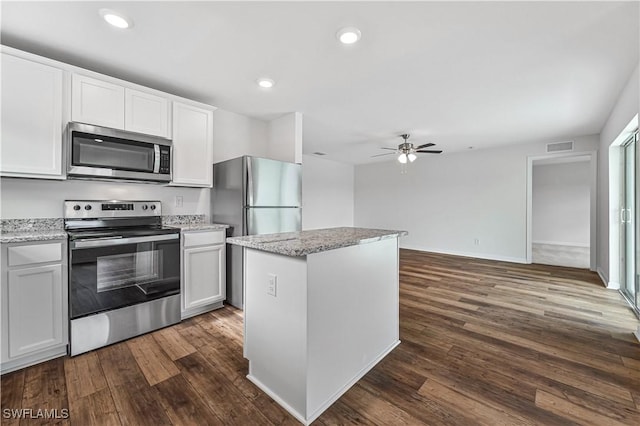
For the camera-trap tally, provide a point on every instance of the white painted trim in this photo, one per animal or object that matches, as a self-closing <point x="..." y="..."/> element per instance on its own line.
<point x="593" y="230"/>
<point x="602" y="276"/>
<point x="469" y="254"/>
<point x="615" y="198"/>
<point x="560" y="243"/>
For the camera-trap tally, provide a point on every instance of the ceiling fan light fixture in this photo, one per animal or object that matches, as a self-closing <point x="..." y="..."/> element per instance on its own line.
<point x="348" y="35"/>
<point x="402" y="158"/>
<point x="412" y="157"/>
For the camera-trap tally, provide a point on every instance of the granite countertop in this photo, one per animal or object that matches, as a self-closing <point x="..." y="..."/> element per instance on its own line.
<point x="313" y="241"/>
<point x="199" y="226"/>
<point x="37" y="229"/>
<point x="43" y="229"/>
<point x="33" y="235"/>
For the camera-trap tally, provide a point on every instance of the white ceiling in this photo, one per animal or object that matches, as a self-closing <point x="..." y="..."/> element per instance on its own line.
<point x="458" y="74"/>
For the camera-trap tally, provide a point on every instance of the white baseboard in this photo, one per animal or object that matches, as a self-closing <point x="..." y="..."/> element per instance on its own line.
<point x="561" y="243"/>
<point x="470" y="254"/>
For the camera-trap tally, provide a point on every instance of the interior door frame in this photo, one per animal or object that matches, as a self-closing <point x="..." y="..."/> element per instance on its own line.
<point x="593" y="183"/>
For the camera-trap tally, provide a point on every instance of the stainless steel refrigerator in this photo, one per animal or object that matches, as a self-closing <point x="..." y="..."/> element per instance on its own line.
<point x="255" y="196"/>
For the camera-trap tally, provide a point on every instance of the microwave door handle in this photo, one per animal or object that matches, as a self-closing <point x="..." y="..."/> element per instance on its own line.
<point x="156" y="160"/>
<point x="116" y="241"/>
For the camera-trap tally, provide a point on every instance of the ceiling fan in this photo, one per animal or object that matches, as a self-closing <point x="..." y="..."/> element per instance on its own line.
<point x="407" y="152"/>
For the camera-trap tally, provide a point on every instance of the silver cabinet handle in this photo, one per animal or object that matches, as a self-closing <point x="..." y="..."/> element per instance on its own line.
<point x="116" y="241"/>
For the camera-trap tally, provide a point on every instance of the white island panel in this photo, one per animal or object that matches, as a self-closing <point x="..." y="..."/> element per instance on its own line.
<point x="353" y="317"/>
<point x="334" y="315"/>
<point x="276" y="327"/>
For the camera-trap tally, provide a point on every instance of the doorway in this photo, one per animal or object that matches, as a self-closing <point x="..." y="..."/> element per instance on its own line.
<point x="560" y="212"/>
<point x="565" y="209"/>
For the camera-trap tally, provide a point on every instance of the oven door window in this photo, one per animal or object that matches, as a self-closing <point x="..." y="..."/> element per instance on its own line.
<point x="112" y="153"/>
<point x="111" y="277"/>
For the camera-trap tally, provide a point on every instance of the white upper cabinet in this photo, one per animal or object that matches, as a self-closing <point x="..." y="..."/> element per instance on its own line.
<point x="32" y="119"/>
<point x="97" y="102"/>
<point x="146" y="113"/>
<point x="102" y="103"/>
<point x="192" y="145"/>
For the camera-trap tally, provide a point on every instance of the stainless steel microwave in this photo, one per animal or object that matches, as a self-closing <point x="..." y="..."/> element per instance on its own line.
<point x="109" y="154"/>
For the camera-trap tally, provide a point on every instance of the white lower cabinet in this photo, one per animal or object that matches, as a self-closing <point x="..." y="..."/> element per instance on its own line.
<point x="34" y="303"/>
<point x="203" y="271"/>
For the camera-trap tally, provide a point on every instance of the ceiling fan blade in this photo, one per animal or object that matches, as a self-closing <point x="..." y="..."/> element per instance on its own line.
<point x="380" y="155"/>
<point x="393" y="149"/>
<point x="429" y="151"/>
<point x="426" y="145"/>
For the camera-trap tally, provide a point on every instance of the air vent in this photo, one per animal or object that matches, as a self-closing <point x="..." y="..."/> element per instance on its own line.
<point x="319" y="153"/>
<point x="560" y="146"/>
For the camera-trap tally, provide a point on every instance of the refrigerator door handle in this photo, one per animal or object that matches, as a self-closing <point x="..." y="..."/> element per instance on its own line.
<point x="249" y="183"/>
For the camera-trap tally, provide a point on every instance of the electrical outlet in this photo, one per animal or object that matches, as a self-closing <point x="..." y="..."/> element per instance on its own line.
<point x="179" y="201"/>
<point x="476" y="241"/>
<point x="272" y="285"/>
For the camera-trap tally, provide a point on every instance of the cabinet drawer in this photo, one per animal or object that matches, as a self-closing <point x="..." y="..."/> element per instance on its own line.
<point x="38" y="253"/>
<point x="203" y="238"/>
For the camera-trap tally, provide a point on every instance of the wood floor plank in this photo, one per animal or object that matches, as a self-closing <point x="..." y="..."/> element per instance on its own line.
<point x="11" y="390"/>
<point x="139" y="404"/>
<point x="152" y="360"/>
<point x="478" y="410"/>
<point x="45" y="389"/>
<point x="220" y="395"/>
<point x="572" y="411"/>
<point x="96" y="408"/>
<point x="83" y="375"/>
<point x="172" y="343"/>
<point x="183" y="404"/>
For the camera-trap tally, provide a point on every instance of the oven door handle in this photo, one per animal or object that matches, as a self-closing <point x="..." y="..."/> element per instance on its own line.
<point x="116" y="241"/>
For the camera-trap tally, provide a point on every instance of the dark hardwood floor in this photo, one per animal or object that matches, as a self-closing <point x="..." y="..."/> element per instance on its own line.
<point x="483" y="342"/>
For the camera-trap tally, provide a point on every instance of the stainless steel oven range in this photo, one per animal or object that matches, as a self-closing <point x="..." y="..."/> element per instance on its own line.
<point x="124" y="271"/>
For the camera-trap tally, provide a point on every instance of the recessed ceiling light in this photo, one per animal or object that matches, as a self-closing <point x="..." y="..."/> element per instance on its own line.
<point x="349" y="35"/>
<point x="266" y="83"/>
<point x="116" y="19"/>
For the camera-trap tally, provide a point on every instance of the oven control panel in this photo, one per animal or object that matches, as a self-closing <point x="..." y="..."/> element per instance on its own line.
<point x="91" y="209"/>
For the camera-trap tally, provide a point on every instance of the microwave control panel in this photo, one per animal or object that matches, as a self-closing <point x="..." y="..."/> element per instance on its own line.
<point x="165" y="160"/>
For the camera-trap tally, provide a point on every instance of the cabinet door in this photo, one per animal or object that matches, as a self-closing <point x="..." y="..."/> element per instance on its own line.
<point x="32" y="123"/>
<point x="192" y="146"/>
<point x="204" y="276"/>
<point x="97" y="102"/>
<point x="35" y="309"/>
<point x="146" y="113"/>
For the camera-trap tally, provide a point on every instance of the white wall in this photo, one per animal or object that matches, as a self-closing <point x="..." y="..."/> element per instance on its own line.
<point x="327" y="193"/>
<point x="285" y="138"/>
<point x="235" y="135"/>
<point x="39" y="198"/>
<point x="561" y="203"/>
<point x="447" y="201"/>
<point x="626" y="107"/>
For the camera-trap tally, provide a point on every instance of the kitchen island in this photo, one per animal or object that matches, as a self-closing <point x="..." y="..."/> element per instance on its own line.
<point x="321" y="309"/>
